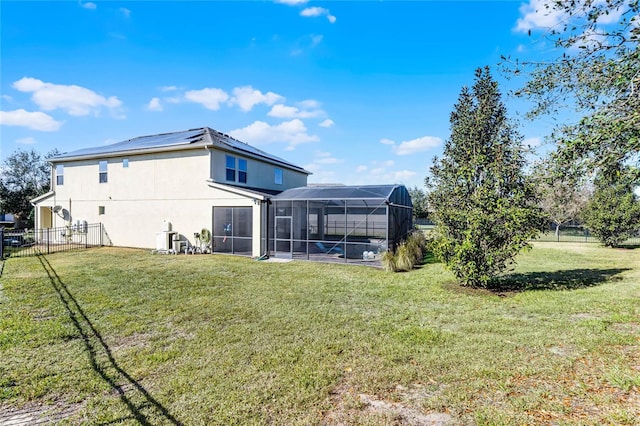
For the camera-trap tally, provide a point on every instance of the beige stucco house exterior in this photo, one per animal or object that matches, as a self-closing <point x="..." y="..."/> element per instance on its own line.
<point x="193" y="179"/>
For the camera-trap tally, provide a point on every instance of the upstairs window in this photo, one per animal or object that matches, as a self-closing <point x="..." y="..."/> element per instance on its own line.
<point x="242" y="170"/>
<point x="103" y="172"/>
<point x="278" y="176"/>
<point x="59" y="174"/>
<point x="233" y="166"/>
<point x="125" y="163"/>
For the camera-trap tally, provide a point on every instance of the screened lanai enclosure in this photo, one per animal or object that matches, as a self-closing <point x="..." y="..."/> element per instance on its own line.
<point x="339" y="223"/>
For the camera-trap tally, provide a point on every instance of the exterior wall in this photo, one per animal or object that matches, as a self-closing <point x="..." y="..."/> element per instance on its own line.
<point x="260" y="174"/>
<point x="137" y="199"/>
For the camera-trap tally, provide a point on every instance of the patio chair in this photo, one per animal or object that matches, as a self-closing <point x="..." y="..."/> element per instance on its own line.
<point x="326" y="250"/>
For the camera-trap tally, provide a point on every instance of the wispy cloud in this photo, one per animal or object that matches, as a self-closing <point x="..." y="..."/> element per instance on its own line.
<point x="315" y="11"/>
<point x="291" y="2"/>
<point x="74" y="100"/>
<point x="326" y="123"/>
<point x="539" y="14"/>
<point x="168" y="88"/>
<point x="292" y="132"/>
<point x="26" y="141"/>
<point x="88" y="5"/>
<point x="154" y="105"/>
<point x="326" y="158"/>
<point x="209" y="97"/>
<point x="125" y="12"/>
<point x="412" y="146"/>
<point x="307" y="110"/>
<point x="33" y="120"/>
<point x="247" y="97"/>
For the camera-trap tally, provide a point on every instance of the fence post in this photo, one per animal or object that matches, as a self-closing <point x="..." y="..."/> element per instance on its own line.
<point x="1" y="243"/>
<point x="48" y="239"/>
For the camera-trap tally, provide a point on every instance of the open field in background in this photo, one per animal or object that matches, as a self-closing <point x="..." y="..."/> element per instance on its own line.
<point x="112" y="335"/>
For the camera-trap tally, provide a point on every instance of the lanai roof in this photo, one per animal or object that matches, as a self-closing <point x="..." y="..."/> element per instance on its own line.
<point x="391" y="193"/>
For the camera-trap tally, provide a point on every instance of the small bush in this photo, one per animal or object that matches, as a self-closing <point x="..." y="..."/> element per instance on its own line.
<point x="389" y="261"/>
<point x="405" y="258"/>
<point x="417" y="246"/>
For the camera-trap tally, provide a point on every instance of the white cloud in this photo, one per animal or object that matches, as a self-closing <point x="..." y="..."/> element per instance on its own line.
<point x="291" y="132"/>
<point x="309" y="104"/>
<point x="361" y="169"/>
<point x="168" y="88"/>
<point x="126" y="12"/>
<point x="326" y="158"/>
<point x="402" y="176"/>
<point x="386" y="141"/>
<point x="291" y="2"/>
<point x="155" y="105"/>
<point x="539" y="14"/>
<point x="26" y="141"/>
<point x="284" y="111"/>
<point x="613" y="16"/>
<point x="417" y="145"/>
<point x="247" y="97"/>
<point x="89" y="5"/>
<point x="209" y="97"/>
<point x="327" y="123"/>
<point x="33" y="120"/>
<point x="311" y="12"/>
<point x="75" y="100"/>
<point x="316" y="40"/>
<point x="7" y="98"/>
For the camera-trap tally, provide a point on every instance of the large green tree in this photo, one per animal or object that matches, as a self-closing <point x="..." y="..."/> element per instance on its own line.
<point x="484" y="205"/>
<point x="613" y="212"/>
<point x="24" y="175"/>
<point x="594" y="68"/>
<point x="420" y="203"/>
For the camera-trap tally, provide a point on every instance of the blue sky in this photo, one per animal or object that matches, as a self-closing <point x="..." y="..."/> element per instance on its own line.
<point x="356" y="92"/>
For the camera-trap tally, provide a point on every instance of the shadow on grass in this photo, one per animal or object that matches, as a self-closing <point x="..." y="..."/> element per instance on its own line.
<point x="101" y="358"/>
<point x="570" y="279"/>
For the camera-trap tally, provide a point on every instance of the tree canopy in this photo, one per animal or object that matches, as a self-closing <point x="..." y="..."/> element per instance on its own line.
<point x="484" y="205"/>
<point x="596" y="70"/>
<point x="24" y="175"/>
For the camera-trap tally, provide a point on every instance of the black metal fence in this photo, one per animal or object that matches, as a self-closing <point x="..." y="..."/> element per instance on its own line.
<point x="29" y="242"/>
<point x="578" y="234"/>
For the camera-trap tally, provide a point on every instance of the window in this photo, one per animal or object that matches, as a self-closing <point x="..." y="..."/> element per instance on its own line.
<point x="242" y="170"/>
<point x="100" y="210"/>
<point x="59" y="174"/>
<point x="278" y="176"/>
<point x="231" y="168"/>
<point x="125" y="163"/>
<point x="103" y="172"/>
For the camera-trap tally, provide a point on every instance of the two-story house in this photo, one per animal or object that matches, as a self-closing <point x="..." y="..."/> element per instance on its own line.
<point x="177" y="183"/>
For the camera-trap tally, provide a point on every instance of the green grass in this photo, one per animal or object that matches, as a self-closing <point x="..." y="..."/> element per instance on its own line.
<point x="123" y="336"/>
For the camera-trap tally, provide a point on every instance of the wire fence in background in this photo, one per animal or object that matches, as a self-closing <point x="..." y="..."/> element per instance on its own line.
<point x="566" y="234"/>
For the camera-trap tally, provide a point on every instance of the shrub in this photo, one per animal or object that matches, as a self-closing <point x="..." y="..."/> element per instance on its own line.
<point x="388" y="260"/>
<point x="405" y="258"/>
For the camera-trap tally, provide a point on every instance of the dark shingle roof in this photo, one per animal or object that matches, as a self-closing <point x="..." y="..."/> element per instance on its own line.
<point x="194" y="137"/>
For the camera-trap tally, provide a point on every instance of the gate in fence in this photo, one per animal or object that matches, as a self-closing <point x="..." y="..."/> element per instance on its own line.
<point x="27" y="242"/>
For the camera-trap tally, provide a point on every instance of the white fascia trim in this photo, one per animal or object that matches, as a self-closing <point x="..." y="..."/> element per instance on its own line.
<point x="42" y="197"/>
<point x="237" y="191"/>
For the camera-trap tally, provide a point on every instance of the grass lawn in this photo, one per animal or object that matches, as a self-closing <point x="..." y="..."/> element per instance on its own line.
<point x="120" y="336"/>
